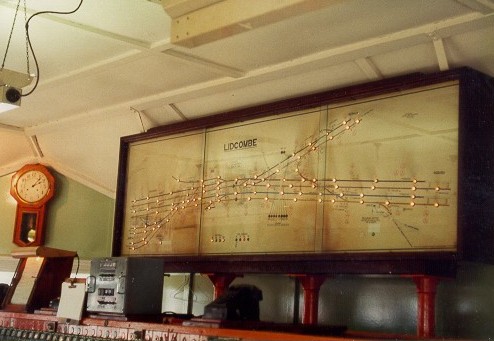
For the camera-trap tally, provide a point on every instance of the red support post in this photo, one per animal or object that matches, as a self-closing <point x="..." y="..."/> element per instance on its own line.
<point x="426" y="304"/>
<point x="221" y="282"/>
<point x="311" y="285"/>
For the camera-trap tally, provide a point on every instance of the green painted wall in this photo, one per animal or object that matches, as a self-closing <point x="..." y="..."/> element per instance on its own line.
<point x="78" y="219"/>
<point x="7" y="216"/>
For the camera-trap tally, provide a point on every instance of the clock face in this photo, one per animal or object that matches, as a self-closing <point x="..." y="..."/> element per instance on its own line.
<point x="33" y="186"/>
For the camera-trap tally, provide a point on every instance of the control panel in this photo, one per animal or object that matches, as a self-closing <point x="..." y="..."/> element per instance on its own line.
<point x="125" y="286"/>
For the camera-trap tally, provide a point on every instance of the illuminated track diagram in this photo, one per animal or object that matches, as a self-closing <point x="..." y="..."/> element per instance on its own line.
<point x="151" y="214"/>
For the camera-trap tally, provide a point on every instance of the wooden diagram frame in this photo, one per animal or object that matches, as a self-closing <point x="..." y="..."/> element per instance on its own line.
<point x="199" y="132"/>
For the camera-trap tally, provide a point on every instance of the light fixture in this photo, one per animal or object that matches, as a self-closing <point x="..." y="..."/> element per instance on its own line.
<point x="10" y="98"/>
<point x="11" y="84"/>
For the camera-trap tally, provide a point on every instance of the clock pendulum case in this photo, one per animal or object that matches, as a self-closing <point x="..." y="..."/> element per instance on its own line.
<point x="32" y="187"/>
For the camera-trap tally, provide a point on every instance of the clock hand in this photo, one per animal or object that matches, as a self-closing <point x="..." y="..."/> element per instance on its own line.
<point x="37" y="182"/>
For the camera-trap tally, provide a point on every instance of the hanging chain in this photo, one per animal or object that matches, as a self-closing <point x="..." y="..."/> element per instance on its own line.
<point x="27" y="43"/>
<point x="10" y="35"/>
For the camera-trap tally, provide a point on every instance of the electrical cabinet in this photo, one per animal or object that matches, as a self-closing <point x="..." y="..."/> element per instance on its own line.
<point x="125" y="286"/>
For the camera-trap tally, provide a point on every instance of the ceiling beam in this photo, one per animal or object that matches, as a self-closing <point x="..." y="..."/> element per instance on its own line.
<point x="369" y="68"/>
<point x="177" y="8"/>
<point x="141" y="119"/>
<point x="360" y="51"/>
<point x="178" y="111"/>
<point x="13" y="167"/>
<point x="11" y="127"/>
<point x="482" y="6"/>
<point x="131" y="42"/>
<point x="205" y="21"/>
<point x="442" y="60"/>
<point x="206" y="64"/>
<point x="35" y="147"/>
<point x="79" y="177"/>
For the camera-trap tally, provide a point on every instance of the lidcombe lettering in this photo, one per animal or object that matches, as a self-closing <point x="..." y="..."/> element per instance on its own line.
<point x="242" y="144"/>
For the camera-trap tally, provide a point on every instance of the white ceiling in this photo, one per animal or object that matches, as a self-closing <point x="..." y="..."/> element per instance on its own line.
<point x="110" y="70"/>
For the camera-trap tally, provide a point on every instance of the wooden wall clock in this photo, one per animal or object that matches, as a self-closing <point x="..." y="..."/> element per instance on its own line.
<point x="32" y="187"/>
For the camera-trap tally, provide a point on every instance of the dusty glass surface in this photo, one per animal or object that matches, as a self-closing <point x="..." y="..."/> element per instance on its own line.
<point x="377" y="174"/>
